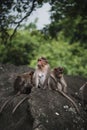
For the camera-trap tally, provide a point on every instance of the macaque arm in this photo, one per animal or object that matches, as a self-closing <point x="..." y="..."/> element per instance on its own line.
<point x="59" y="86"/>
<point x="52" y="83"/>
<point x="46" y="78"/>
<point x="64" y="84"/>
<point x="35" y="79"/>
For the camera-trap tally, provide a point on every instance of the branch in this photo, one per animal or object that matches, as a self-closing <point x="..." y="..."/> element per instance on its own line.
<point x="18" y="23"/>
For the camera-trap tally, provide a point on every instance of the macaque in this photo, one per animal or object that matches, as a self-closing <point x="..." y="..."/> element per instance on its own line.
<point x="57" y="75"/>
<point x="22" y="85"/>
<point x="56" y="82"/>
<point x="83" y="94"/>
<point x="42" y="73"/>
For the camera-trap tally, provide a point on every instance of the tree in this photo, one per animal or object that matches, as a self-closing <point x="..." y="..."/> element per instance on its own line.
<point x="13" y="13"/>
<point x="70" y="17"/>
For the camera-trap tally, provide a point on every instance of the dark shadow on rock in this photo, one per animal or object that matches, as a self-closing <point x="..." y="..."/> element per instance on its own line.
<point x="54" y="112"/>
<point x="45" y="109"/>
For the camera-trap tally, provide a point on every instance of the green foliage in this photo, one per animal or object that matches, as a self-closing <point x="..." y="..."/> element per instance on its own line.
<point x="63" y="42"/>
<point x="22" y="48"/>
<point x="70" y="17"/>
<point x="72" y="57"/>
<point x="28" y="45"/>
<point x="12" y="14"/>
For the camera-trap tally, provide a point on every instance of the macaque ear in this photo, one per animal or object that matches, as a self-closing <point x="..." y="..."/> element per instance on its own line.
<point x="44" y="59"/>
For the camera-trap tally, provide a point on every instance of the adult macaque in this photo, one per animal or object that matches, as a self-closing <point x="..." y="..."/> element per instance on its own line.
<point x="57" y="75"/>
<point x="56" y="82"/>
<point x="22" y="85"/>
<point x="42" y="73"/>
<point x="83" y="93"/>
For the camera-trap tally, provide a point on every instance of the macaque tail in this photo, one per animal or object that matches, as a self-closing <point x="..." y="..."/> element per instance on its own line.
<point x="71" y="100"/>
<point x="22" y="100"/>
<point x="7" y="101"/>
<point x="3" y="106"/>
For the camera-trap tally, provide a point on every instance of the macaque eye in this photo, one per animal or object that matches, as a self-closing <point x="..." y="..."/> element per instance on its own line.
<point x="55" y="69"/>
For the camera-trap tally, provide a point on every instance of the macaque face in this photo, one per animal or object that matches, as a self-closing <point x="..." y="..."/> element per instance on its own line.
<point x="41" y="62"/>
<point x="58" y="72"/>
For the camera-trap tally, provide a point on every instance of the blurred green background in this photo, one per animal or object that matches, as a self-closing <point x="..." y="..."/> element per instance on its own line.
<point x="63" y="41"/>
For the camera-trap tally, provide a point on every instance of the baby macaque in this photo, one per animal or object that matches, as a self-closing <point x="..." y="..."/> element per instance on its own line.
<point x="22" y="85"/>
<point x="83" y="93"/>
<point x="56" y="82"/>
<point x="42" y="73"/>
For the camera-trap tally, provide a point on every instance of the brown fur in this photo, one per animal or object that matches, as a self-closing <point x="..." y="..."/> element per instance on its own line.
<point x="41" y="74"/>
<point x="57" y="75"/>
<point x="22" y="85"/>
<point x="55" y="83"/>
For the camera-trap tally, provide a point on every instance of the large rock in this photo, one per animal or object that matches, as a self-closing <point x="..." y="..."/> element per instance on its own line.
<point x="45" y="109"/>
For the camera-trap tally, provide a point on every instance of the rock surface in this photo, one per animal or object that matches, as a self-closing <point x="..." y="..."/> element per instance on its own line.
<point x="45" y="109"/>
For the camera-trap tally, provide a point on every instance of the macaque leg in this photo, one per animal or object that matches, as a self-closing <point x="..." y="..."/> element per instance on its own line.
<point x="37" y="82"/>
<point x="59" y="87"/>
<point x="64" y="85"/>
<point x="15" y="108"/>
<point x="65" y="89"/>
